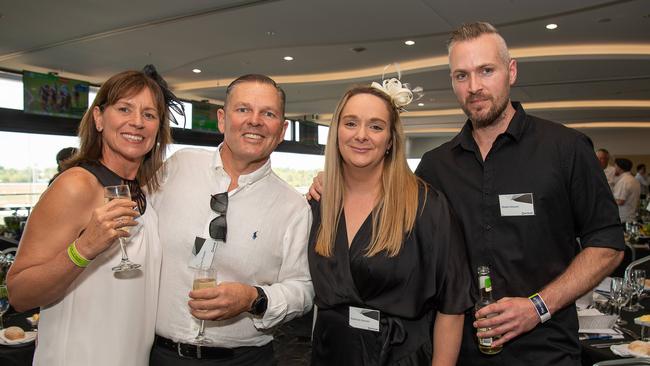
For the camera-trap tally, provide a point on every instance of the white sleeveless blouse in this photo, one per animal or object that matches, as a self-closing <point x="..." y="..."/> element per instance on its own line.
<point x="106" y="318"/>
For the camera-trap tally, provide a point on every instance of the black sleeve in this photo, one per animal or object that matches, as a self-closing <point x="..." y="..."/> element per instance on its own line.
<point x="450" y="263"/>
<point x="595" y="212"/>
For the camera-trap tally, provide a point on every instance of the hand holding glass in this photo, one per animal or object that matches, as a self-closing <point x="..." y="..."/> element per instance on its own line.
<point x="111" y="193"/>
<point x="203" y="278"/>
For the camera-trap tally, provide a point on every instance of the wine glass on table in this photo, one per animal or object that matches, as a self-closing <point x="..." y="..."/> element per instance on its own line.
<point x="203" y="278"/>
<point x="111" y="193"/>
<point x="4" y="303"/>
<point x="619" y="292"/>
<point x="632" y="288"/>
<point x="639" y="276"/>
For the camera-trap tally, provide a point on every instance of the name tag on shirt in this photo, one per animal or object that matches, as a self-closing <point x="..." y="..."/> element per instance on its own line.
<point x="366" y="319"/>
<point x="518" y="204"/>
<point x="202" y="253"/>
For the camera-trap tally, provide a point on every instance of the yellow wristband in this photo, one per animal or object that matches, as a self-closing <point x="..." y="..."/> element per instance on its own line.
<point x="76" y="257"/>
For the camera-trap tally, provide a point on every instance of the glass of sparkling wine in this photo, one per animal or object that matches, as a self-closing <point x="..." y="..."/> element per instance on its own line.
<point x="111" y="193"/>
<point x="204" y="278"/>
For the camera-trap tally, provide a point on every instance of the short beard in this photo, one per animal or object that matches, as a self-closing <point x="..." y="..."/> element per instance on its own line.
<point x="490" y="118"/>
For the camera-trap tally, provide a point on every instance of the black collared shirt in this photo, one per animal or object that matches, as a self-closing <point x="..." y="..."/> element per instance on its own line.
<point x="571" y="199"/>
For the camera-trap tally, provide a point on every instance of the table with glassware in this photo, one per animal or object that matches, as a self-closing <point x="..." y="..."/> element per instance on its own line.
<point x="622" y="300"/>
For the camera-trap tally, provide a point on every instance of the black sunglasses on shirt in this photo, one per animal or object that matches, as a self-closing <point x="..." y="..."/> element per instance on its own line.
<point x="218" y="226"/>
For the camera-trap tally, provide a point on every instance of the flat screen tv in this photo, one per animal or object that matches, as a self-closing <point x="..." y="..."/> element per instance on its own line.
<point x="52" y="95"/>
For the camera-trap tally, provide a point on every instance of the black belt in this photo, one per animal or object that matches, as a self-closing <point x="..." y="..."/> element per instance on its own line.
<point x="194" y="351"/>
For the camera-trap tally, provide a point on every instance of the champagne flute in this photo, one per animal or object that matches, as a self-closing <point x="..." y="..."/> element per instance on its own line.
<point x="632" y="287"/>
<point x="111" y="193"/>
<point x="203" y="278"/>
<point x="4" y="303"/>
<point x="639" y="282"/>
<point x="618" y="294"/>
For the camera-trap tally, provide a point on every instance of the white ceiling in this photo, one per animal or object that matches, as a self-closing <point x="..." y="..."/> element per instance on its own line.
<point x="600" y="51"/>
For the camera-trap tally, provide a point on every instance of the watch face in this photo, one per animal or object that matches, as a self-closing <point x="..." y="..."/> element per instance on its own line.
<point x="260" y="304"/>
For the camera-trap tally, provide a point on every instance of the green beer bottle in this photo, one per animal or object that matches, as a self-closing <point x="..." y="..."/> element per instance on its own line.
<point x="485" y="299"/>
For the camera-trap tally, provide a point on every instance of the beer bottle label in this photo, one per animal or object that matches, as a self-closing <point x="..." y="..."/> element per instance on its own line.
<point x="485" y="283"/>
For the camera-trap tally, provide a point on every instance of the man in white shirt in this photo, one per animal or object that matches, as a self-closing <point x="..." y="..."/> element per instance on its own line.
<point x="627" y="191"/>
<point x="610" y="174"/>
<point x="259" y="251"/>
<point x="642" y="179"/>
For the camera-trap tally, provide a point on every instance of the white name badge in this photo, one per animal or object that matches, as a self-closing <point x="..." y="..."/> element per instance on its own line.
<point x="366" y="319"/>
<point x="202" y="253"/>
<point x="519" y="204"/>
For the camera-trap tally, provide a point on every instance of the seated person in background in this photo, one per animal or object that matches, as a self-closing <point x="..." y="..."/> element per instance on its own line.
<point x="627" y="191"/>
<point x="384" y="247"/>
<point x="63" y="155"/>
<point x="89" y="314"/>
<point x="256" y="225"/>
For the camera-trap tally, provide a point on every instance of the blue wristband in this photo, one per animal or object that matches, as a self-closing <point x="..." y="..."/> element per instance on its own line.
<point x="540" y="307"/>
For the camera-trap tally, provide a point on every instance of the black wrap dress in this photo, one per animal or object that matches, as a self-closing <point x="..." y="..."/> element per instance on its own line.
<point x="430" y="274"/>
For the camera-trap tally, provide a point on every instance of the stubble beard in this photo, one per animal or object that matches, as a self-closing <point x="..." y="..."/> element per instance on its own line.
<point x="493" y="114"/>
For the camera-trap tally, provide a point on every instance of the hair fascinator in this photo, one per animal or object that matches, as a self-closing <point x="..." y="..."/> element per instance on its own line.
<point x="171" y="101"/>
<point x="401" y="94"/>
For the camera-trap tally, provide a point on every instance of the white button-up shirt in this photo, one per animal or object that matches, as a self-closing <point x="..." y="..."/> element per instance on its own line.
<point x="266" y="245"/>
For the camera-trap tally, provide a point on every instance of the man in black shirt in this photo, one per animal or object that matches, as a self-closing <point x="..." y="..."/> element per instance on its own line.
<point x="524" y="189"/>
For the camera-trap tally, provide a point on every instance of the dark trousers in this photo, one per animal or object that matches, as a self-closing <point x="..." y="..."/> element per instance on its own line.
<point x="244" y="356"/>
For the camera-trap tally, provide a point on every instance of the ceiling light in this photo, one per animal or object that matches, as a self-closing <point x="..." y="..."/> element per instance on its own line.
<point x="551" y="26"/>
<point x="270" y="33"/>
<point x="288" y="58"/>
<point x="196" y="71"/>
<point x="409" y="43"/>
<point x="420" y="104"/>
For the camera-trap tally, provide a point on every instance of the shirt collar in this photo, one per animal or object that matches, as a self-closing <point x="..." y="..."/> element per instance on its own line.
<point x="244" y="179"/>
<point x="515" y="129"/>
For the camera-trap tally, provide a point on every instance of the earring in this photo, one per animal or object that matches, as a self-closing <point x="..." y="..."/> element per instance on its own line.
<point x="99" y="129"/>
<point x="387" y="151"/>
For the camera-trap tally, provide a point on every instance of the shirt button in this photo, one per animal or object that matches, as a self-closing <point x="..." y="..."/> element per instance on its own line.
<point x="488" y="227"/>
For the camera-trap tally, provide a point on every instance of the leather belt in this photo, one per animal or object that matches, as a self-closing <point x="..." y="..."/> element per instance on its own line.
<point x="194" y="351"/>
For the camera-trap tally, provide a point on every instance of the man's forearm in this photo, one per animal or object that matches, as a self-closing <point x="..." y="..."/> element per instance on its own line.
<point x="585" y="272"/>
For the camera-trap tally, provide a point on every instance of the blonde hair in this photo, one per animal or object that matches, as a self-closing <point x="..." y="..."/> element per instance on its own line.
<point x="395" y="213"/>
<point x="119" y="86"/>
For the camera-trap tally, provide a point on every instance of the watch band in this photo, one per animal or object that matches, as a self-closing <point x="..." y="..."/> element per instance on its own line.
<point x="540" y="307"/>
<point x="260" y="304"/>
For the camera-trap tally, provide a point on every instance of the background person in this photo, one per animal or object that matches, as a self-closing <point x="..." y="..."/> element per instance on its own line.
<point x="63" y="155"/>
<point x="604" y="161"/>
<point x="385" y="243"/>
<point x="642" y="178"/>
<point x="627" y="191"/>
<point x="89" y="315"/>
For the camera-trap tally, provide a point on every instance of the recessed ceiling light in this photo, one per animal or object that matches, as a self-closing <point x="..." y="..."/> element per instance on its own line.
<point x="288" y="58"/>
<point x="420" y="104"/>
<point x="551" y="26"/>
<point x="196" y="71"/>
<point x="409" y="43"/>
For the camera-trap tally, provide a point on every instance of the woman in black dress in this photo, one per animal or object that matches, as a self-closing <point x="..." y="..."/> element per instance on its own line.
<point x="386" y="254"/>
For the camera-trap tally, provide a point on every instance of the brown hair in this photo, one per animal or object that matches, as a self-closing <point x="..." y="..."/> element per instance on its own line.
<point x="257" y="78"/>
<point x="470" y="31"/>
<point x="120" y="86"/>
<point x="395" y="213"/>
